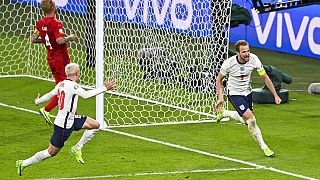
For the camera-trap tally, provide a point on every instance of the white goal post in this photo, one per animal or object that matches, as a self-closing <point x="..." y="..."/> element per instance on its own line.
<point x="164" y="54"/>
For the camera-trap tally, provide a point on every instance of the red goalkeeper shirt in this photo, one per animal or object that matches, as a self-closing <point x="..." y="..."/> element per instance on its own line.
<point x="50" y="29"/>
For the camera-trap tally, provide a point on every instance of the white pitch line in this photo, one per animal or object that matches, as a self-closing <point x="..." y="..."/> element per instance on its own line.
<point x="152" y="173"/>
<point x="18" y="108"/>
<point x="186" y="148"/>
<point x="22" y="109"/>
<point x="298" y="90"/>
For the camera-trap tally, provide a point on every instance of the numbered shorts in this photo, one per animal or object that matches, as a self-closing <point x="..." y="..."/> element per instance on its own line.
<point x="241" y="103"/>
<point x="60" y="135"/>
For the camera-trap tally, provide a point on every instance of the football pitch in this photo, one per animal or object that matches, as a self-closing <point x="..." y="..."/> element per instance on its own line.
<point x="186" y="151"/>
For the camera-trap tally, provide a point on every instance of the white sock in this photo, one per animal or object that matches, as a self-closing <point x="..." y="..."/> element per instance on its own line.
<point x="87" y="136"/>
<point x="256" y="133"/>
<point x="234" y="115"/>
<point x="38" y="157"/>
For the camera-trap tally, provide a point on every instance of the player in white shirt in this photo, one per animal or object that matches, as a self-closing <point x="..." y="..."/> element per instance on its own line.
<point x="238" y="71"/>
<point x="66" y="121"/>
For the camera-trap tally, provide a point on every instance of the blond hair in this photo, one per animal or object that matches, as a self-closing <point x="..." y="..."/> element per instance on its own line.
<point x="47" y="6"/>
<point x="71" y="69"/>
<point x="241" y="43"/>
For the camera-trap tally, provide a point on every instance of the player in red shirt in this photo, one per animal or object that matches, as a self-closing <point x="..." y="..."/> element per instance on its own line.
<point x="50" y="32"/>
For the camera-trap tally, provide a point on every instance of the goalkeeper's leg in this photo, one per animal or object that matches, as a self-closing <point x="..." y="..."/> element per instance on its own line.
<point x="59" y="75"/>
<point x="52" y="104"/>
<point x="45" y="111"/>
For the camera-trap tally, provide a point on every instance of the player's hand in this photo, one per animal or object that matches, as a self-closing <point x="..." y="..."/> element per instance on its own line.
<point x="219" y="105"/>
<point x="110" y="85"/>
<point x="36" y="32"/>
<point x="36" y="99"/>
<point x="277" y="99"/>
<point x="72" y="37"/>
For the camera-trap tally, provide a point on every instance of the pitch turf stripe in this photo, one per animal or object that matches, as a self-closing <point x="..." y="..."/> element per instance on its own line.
<point x="154" y="173"/>
<point x="209" y="154"/>
<point x="184" y="148"/>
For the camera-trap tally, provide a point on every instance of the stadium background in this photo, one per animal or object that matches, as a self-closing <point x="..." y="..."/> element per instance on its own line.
<point x="290" y="129"/>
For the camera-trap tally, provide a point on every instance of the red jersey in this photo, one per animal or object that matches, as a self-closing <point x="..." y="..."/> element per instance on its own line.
<point x="50" y="29"/>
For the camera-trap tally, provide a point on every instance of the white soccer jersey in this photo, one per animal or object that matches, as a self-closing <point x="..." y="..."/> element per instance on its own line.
<point x="68" y="92"/>
<point x="239" y="75"/>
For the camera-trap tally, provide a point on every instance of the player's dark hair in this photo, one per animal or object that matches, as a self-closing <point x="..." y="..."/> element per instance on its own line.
<point x="47" y="6"/>
<point x="241" y="43"/>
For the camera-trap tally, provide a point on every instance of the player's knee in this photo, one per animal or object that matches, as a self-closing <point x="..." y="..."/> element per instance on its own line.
<point x="252" y="124"/>
<point x="248" y="115"/>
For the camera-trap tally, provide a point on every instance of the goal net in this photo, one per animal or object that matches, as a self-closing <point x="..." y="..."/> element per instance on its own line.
<point x="164" y="54"/>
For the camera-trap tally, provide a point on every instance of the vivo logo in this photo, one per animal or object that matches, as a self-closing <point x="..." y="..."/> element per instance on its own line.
<point x="307" y="27"/>
<point x="161" y="12"/>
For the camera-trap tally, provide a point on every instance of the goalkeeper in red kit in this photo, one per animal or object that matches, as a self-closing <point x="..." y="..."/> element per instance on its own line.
<point x="50" y="32"/>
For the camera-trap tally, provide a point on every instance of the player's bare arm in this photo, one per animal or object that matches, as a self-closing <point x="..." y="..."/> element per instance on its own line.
<point x="64" y="40"/>
<point x="35" y="38"/>
<point x="219" y="102"/>
<point x="270" y="86"/>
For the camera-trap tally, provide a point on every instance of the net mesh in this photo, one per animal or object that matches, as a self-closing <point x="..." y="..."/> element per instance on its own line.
<point x="165" y="71"/>
<point x="164" y="54"/>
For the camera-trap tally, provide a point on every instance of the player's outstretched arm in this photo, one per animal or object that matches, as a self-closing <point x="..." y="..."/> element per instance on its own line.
<point x="270" y="86"/>
<point x="45" y="97"/>
<point x="91" y="93"/>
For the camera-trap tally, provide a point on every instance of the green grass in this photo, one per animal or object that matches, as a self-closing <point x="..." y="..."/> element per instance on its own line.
<point x="292" y="134"/>
<point x="291" y="130"/>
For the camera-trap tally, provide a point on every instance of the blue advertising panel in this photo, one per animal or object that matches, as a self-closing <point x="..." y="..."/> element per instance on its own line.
<point x="186" y="16"/>
<point x="192" y="17"/>
<point x="75" y="6"/>
<point x="294" y="31"/>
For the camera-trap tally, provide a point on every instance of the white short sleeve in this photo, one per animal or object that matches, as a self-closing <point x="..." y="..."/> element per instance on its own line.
<point x="258" y="65"/>
<point x="223" y="69"/>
